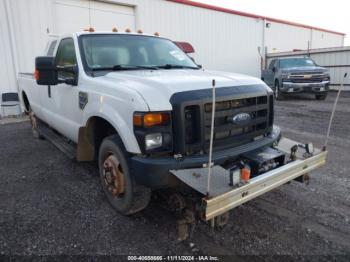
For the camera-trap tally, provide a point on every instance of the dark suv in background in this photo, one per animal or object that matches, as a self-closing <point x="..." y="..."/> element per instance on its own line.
<point x="296" y="75"/>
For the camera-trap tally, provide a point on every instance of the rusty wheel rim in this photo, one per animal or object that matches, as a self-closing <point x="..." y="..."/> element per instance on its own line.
<point x="113" y="176"/>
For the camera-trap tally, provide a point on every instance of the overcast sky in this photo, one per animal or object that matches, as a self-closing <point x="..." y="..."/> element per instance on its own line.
<point x="333" y="15"/>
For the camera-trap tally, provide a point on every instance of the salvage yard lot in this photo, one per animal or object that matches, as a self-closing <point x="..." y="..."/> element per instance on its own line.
<point x="50" y="205"/>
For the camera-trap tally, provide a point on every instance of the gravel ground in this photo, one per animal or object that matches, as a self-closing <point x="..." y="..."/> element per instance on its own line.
<point x="50" y="205"/>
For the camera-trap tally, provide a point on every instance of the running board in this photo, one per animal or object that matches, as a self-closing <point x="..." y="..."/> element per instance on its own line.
<point x="57" y="140"/>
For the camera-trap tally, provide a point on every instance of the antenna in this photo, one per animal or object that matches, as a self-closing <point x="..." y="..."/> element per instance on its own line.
<point x="261" y="58"/>
<point x="210" y="164"/>
<point x="90" y="26"/>
<point x="333" y="112"/>
<point x="90" y="41"/>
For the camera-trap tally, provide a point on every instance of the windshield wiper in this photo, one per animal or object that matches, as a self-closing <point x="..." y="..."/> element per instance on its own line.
<point x="124" y="67"/>
<point x="170" y="66"/>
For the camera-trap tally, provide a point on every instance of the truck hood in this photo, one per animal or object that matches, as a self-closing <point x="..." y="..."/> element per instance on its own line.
<point x="157" y="86"/>
<point x="305" y="69"/>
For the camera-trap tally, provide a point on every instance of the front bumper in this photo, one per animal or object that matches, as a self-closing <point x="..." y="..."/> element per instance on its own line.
<point x="154" y="172"/>
<point x="312" y="87"/>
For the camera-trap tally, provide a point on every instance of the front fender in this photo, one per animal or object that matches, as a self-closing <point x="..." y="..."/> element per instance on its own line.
<point x="119" y="117"/>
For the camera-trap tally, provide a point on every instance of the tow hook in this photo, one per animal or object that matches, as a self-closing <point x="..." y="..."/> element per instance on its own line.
<point x="305" y="179"/>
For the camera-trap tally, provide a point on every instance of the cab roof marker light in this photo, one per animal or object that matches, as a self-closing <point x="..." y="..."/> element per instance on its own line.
<point x="156" y="34"/>
<point x="90" y="29"/>
<point x="139" y="31"/>
<point x="127" y="30"/>
<point x="115" y="30"/>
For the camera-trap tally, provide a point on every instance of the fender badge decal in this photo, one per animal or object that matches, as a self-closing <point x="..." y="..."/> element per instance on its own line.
<point x="83" y="100"/>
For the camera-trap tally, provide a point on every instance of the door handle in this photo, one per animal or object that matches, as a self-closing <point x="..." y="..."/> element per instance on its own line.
<point x="49" y="91"/>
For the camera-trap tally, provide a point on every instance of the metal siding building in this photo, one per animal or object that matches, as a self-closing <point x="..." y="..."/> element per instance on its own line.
<point x="223" y="39"/>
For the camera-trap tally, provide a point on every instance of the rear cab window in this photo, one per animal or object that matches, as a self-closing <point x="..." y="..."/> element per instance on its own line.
<point x="51" y="49"/>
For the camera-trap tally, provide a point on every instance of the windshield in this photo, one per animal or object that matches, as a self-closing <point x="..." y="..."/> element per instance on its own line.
<point x="296" y="62"/>
<point x="124" y="52"/>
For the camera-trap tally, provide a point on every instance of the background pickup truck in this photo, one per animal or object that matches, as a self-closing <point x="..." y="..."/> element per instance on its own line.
<point x="296" y="75"/>
<point x="141" y="108"/>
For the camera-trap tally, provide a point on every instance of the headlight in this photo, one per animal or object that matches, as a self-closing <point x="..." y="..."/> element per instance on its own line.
<point x="326" y="77"/>
<point x="285" y="75"/>
<point x="153" y="141"/>
<point x="153" y="131"/>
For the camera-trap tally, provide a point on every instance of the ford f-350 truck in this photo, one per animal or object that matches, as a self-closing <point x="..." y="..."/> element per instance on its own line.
<point x="141" y="108"/>
<point x="291" y="75"/>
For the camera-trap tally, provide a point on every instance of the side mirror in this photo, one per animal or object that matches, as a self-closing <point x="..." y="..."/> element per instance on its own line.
<point x="45" y="71"/>
<point x="71" y="77"/>
<point x="194" y="61"/>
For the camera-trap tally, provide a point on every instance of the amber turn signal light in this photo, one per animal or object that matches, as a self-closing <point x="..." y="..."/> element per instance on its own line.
<point x="151" y="119"/>
<point x="245" y="174"/>
<point x="138" y="120"/>
<point x="37" y="75"/>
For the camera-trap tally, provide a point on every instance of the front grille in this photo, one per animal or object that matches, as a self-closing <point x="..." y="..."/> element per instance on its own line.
<point x="307" y="73"/>
<point x="227" y="132"/>
<point x="309" y="80"/>
<point x="306" y="78"/>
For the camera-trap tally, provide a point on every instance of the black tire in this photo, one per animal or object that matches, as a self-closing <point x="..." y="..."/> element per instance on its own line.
<point x="321" y="96"/>
<point x="278" y="94"/>
<point x="134" y="197"/>
<point x="33" y="120"/>
<point x="27" y="107"/>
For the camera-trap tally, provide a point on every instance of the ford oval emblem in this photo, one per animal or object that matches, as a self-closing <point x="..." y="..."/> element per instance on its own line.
<point x="241" y="119"/>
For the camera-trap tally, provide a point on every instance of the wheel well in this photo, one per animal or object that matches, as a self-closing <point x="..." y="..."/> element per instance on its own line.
<point x="91" y="137"/>
<point x="26" y="101"/>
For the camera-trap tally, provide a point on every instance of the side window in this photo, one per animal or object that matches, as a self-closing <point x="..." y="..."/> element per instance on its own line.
<point x="277" y="64"/>
<point x="272" y="64"/>
<point x="66" y="57"/>
<point x="51" y="48"/>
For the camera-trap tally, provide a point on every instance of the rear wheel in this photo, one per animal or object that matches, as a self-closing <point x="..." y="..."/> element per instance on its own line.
<point x="27" y="108"/>
<point x="32" y="117"/>
<point x="321" y="96"/>
<point x="117" y="180"/>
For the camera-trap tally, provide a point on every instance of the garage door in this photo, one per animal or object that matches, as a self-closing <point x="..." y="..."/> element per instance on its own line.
<point x="73" y="15"/>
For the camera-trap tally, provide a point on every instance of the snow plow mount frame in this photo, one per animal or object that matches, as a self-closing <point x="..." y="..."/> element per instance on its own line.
<point x="259" y="185"/>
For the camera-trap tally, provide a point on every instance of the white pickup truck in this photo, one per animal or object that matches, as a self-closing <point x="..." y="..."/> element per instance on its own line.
<point x="142" y="108"/>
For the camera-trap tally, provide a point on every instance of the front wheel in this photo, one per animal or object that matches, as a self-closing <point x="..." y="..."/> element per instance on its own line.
<point x="278" y="94"/>
<point x="321" y="96"/>
<point x="117" y="181"/>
